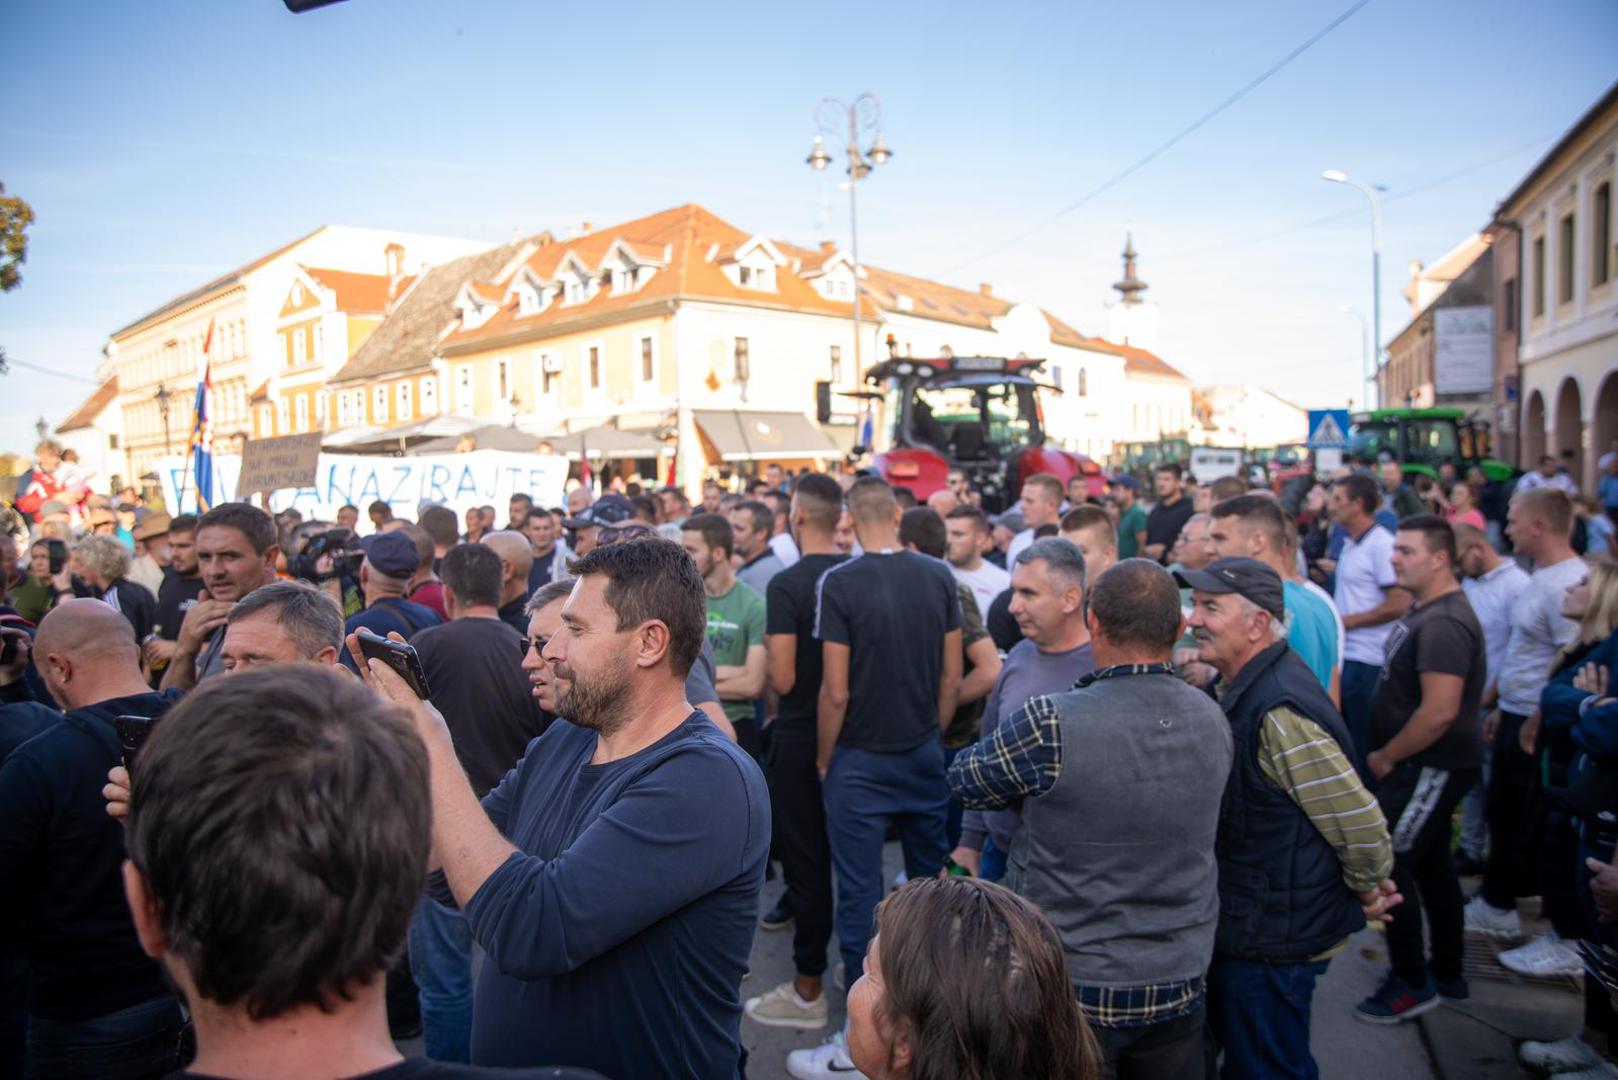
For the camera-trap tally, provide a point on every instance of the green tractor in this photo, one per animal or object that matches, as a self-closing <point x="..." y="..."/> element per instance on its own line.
<point x="1423" y="439"/>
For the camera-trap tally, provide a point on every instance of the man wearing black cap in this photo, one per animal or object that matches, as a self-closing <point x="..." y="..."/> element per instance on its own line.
<point x="1303" y="848"/>
<point x="607" y="510"/>
<point x="390" y="562"/>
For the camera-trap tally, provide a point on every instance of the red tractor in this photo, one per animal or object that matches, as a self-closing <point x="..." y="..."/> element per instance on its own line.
<point x="976" y="413"/>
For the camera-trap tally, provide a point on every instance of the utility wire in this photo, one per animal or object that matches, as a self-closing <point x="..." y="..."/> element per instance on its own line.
<point x="1174" y="140"/>
<point x="12" y="360"/>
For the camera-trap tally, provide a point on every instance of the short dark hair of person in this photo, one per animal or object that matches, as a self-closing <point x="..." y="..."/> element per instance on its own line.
<point x="1050" y="484"/>
<point x="980" y="520"/>
<point x="645" y="508"/>
<point x="526" y="499"/>
<point x="426" y="550"/>
<point x="253" y="523"/>
<point x="821" y="498"/>
<point x="1083" y="517"/>
<point x="905" y="496"/>
<point x="1137" y="606"/>
<point x="442" y="525"/>
<point x="348" y="506"/>
<point x="979" y="978"/>
<point x="715" y="529"/>
<point x="763" y="517"/>
<point x="548" y="593"/>
<point x="184" y="523"/>
<point x="757" y="487"/>
<point x="310" y="617"/>
<point x="921" y="526"/>
<point x="1173" y="468"/>
<point x="654" y="579"/>
<point x="1357" y="487"/>
<point x="380" y="509"/>
<point x="536" y="512"/>
<point x="1259" y="512"/>
<point x="1045" y="531"/>
<point x="281" y="820"/>
<point x="779" y="501"/>
<point x="472" y="573"/>
<point x="1549" y="505"/>
<point x="1227" y="487"/>
<point x="871" y="499"/>
<point x="1436" y="533"/>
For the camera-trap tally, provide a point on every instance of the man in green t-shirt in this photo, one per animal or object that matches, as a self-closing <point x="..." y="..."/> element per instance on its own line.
<point x="735" y="626"/>
<point x="1131" y="516"/>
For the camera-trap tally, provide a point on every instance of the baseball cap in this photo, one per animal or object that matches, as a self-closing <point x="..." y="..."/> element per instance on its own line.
<point x="1011" y="519"/>
<point x="393" y="554"/>
<point x="153" y="524"/>
<point x="1242" y="576"/>
<point x="607" y="510"/>
<point x="1124" y="480"/>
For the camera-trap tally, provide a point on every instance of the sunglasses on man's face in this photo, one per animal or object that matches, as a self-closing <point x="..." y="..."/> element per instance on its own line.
<point x="630" y="530"/>
<point x="536" y="643"/>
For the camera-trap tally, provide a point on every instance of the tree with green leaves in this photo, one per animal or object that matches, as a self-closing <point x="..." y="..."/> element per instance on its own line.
<point x="15" y="217"/>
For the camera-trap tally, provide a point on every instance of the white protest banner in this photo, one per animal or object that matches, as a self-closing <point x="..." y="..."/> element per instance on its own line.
<point x="459" y="481"/>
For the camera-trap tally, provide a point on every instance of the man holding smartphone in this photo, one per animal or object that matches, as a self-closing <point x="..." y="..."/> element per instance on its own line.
<point x="95" y="1000"/>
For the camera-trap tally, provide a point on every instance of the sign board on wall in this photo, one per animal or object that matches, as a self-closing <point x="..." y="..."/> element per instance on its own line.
<point x="1463" y="350"/>
<point x="459" y="481"/>
<point x="289" y="461"/>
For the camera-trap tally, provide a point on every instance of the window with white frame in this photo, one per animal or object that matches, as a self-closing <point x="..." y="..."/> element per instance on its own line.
<point x="1084" y="383"/>
<point x="648" y="360"/>
<point x="379" y="404"/>
<point x="300" y="412"/>
<point x="502" y="378"/>
<point x="463" y="390"/>
<point x="282" y="424"/>
<point x="266" y="420"/>
<point x="429" y="396"/>
<point x="550" y="375"/>
<point x="527" y="300"/>
<point x="319" y="350"/>
<point x="345" y="411"/>
<point x="575" y="290"/>
<point x="836" y="363"/>
<point x="297" y="345"/>
<point x="593" y="366"/>
<point x="401" y="400"/>
<point x="320" y="407"/>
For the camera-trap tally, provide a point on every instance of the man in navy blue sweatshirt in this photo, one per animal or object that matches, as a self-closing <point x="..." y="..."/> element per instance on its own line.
<point x="96" y="1003"/>
<point x="613" y="876"/>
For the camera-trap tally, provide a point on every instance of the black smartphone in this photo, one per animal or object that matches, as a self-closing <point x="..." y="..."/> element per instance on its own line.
<point x="58" y="555"/>
<point x="398" y="656"/>
<point x="10" y="642"/>
<point x="133" y="731"/>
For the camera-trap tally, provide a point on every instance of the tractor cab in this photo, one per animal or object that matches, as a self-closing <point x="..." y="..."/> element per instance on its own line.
<point x="978" y="413"/>
<point x="1423" y="439"/>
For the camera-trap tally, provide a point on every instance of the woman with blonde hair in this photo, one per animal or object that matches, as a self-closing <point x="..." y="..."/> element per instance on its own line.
<point x="965" y="980"/>
<point x="101" y="563"/>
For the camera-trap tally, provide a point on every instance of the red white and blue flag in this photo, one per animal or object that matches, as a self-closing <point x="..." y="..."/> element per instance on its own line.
<point x="201" y="449"/>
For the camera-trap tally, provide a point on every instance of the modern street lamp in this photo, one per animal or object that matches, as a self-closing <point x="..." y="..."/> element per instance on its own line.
<point x="1366" y="376"/>
<point x="1338" y="176"/>
<point x="863" y="114"/>
<point x="162" y="398"/>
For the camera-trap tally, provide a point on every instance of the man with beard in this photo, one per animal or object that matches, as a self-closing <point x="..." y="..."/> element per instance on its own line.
<point x="627" y="845"/>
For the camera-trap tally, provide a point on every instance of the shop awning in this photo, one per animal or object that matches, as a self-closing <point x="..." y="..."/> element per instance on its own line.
<point x="606" y="444"/>
<point x="739" y="435"/>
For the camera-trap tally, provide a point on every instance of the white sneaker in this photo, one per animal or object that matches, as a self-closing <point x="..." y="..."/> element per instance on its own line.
<point x="1604" y="1071"/>
<point x="1561" y="1056"/>
<point x="1484" y="918"/>
<point x="1547" y="955"/>
<point x="782" y="1007"/>
<point x="828" y="1061"/>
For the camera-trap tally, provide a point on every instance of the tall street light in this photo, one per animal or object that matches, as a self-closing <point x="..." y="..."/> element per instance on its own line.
<point x="863" y="115"/>
<point x="162" y="398"/>
<point x="1366" y="377"/>
<point x="1338" y="176"/>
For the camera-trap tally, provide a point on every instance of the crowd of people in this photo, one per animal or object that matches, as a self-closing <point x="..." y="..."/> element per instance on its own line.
<point x="1150" y="759"/>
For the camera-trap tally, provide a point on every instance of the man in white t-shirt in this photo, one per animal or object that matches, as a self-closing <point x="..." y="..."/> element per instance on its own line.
<point x="1492" y="585"/>
<point x="1540" y="524"/>
<point x="1367" y="596"/>
<point x="1041" y="506"/>
<point x="1548" y="475"/>
<point x="965" y="529"/>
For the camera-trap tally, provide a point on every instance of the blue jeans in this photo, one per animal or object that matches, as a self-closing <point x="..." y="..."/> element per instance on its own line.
<point x="1359" y="690"/>
<point x="441" y="962"/>
<point x="862" y="791"/>
<point x="1259" y="1014"/>
<point x="131" y="1044"/>
<point x="991" y="861"/>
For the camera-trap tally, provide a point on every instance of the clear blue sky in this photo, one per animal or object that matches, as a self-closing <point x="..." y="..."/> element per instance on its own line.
<point x="163" y="143"/>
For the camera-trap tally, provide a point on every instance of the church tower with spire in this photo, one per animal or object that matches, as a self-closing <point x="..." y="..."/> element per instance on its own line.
<point x="1132" y="319"/>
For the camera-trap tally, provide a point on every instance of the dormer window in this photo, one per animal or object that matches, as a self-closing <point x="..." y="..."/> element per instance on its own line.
<point x="760" y="276"/>
<point x="575" y="291"/>
<point x="527" y="301"/>
<point x="625" y="279"/>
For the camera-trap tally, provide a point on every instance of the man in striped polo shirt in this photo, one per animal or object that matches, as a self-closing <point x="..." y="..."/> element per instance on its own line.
<point x="1303" y="848"/>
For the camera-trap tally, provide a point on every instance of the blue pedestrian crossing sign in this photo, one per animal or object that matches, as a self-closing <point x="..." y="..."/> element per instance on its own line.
<point x="1328" y="429"/>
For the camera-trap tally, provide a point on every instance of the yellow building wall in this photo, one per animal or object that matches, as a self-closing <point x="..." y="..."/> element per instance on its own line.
<point x="359" y="328"/>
